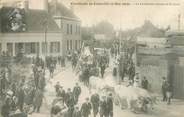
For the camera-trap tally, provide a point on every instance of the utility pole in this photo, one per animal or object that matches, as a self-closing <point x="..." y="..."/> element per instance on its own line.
<point x="179" y="21"/>
<point x="45" y="26"/>
<point x="45" y="34"/>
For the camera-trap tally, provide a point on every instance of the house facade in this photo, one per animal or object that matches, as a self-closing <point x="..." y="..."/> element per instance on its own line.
<point x="69" y="24"/>
<point x="50" y="30"/>
<point x="32" y="32"/>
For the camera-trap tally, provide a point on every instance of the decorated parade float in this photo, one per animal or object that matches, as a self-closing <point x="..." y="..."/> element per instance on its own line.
<point x="126" y="94"/>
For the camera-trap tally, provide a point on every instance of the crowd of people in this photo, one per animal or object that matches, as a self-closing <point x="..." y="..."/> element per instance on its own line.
<point x="68" y="101"/>
<point x="49" y="63"/>
<point x="93" y="66"/>
<point x="24" y="96"/>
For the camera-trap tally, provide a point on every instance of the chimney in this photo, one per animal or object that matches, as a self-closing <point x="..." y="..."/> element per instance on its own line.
<point x="179" y="21"/>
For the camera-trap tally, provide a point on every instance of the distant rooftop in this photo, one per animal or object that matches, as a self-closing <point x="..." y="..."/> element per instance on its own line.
<point x="175" y="33"/>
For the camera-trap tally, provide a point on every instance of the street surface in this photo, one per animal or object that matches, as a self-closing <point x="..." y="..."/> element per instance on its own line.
<point x="68" y="78"/>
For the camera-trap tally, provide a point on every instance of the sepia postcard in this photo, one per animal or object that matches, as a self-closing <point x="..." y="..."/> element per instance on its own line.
<point x="91" y="58"/>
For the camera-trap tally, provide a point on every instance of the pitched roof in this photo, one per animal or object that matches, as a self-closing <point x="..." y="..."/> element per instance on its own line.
<point x="37" y="19"/>
<point x="34" y="20"/>
<point x="58" y="9"/>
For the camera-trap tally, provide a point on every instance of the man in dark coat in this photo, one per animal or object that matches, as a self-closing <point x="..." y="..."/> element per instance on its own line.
<point x="51" y="69"/>
<point x="86" y="76"/>
<point x="103" y="107"/>
<point x="38" y="100"/>
<point x="3" y="82"/>
<point x="76" y="92"/>
<point x="144" y="83"/>
<point x="95" y="100"/>
<point x="86" y="108"/>
<point x="20" y="97"/>
<point x="109" y="106"/>
<point x="61" y="93"/>
<point x="69" y="101"/>
<point x="42" y="81"/>
<point x="36" y="78"/>
<point x="168" y="92"/>
<point x="76" y="112"/>
<point x="63" y="61"/>
<point x="102" y="69"/>
<point x="164" y="84"/>
<point x="57" y="86"/>
<point x="5" y="109"/>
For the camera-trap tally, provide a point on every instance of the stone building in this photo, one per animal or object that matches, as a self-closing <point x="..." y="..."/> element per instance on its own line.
<point x="51" y="29"/>
<point x="32" y="32"/>
<point x="69" y="24"/>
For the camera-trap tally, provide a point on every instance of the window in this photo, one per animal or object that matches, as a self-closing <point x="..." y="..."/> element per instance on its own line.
<point x="79" y="30"/>
<point x="31" y="48"/>
<point x="19" y="48"/>
<point x="68" y="30"/>
<point x="76" y="29"/>
<point x="44" y="47"/>
<point x="71" y="29"/>
<point x="67" y="45"/>
<point x="55" y="47"/>
<point x="76" y="44"/>
<point x="37" y="47"/>
<point x="80" y="44"/>
<point x="10" y="48"/>
<point x="70" y="44"/>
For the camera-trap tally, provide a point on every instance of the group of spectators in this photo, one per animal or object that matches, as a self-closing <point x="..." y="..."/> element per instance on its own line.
<point x="21" y="96"/>
<point x="102" y="106"/>
<point x="49" y="63"/>
<point x="65" y="100"/>
<point x="124" y="66"/>
<point x="68" y="100"/>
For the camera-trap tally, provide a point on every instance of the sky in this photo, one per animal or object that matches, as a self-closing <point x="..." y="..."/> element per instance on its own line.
<point x="126" y="16"/>
<point x="131" y="16"/>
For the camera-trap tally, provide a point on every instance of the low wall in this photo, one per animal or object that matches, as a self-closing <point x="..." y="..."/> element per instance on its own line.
<point x="153" y="72"/>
